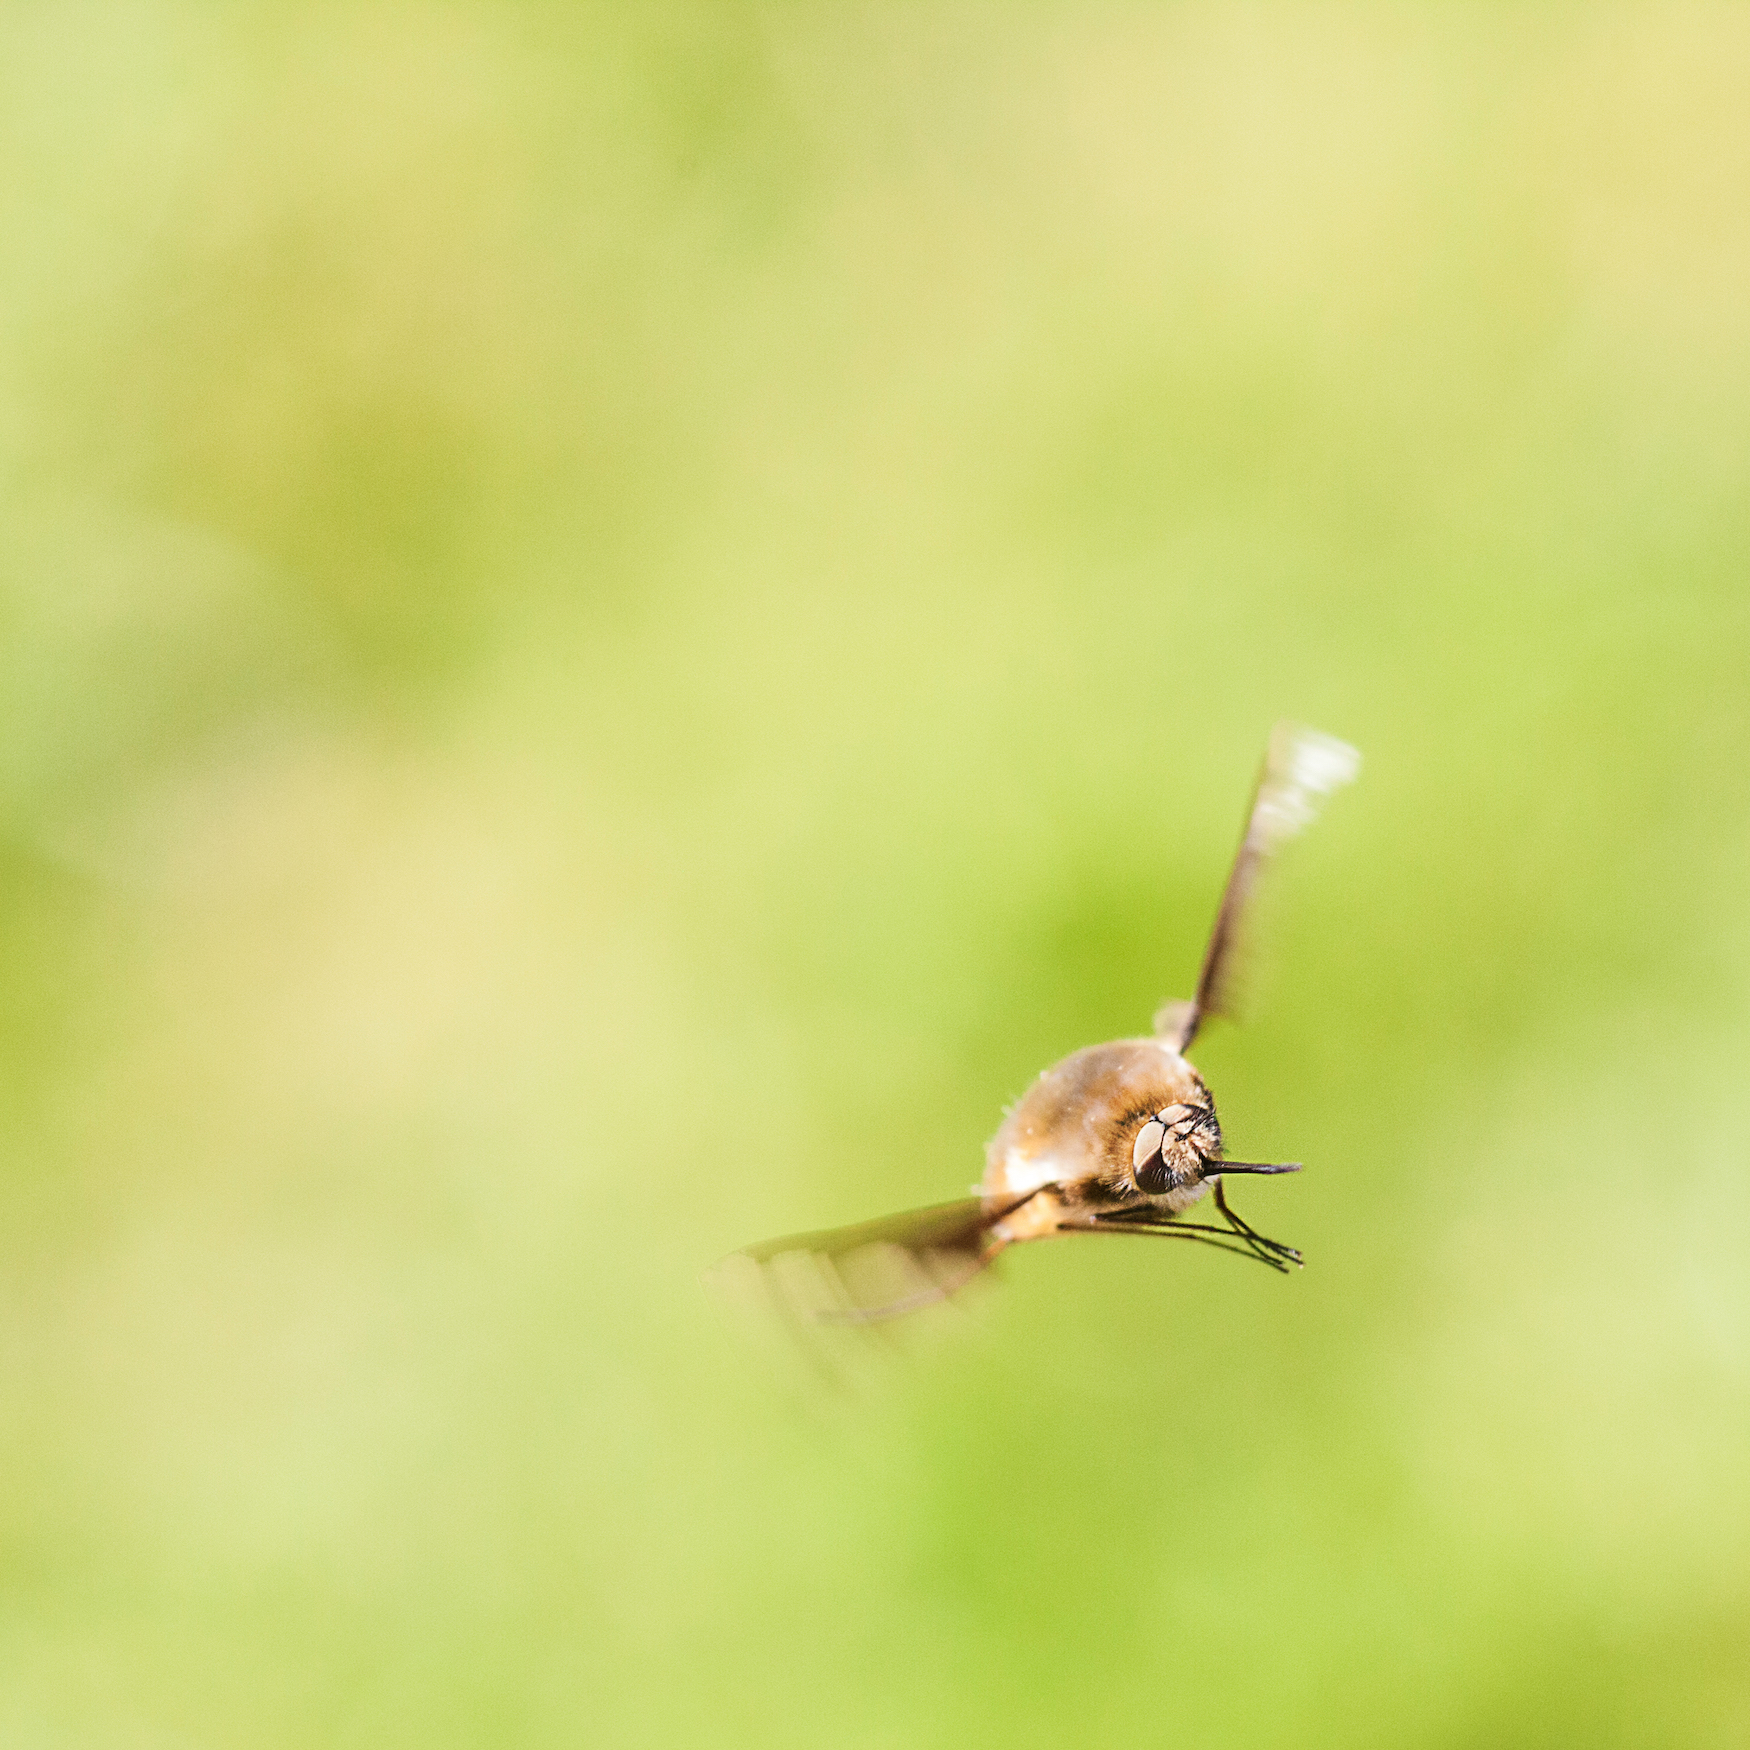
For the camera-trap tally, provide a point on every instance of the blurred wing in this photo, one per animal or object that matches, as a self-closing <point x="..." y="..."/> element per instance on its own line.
<point x="955" y="1228"/>
<point x="816" y="1289"/>
<point x="1301" y="768"/>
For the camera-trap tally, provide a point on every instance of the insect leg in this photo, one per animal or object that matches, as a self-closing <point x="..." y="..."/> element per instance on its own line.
<point x="1219" y="1238"/>
<point x="1271" y="1250"/>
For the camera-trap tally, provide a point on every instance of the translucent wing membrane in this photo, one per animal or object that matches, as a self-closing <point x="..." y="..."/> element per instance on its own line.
<point x="954" y="1228"/>
<point x="828" y="1293"/>
<point x="1301" y="768"/>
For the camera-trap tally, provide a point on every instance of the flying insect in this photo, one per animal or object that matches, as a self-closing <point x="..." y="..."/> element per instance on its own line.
<point x="1120" y="1138"/>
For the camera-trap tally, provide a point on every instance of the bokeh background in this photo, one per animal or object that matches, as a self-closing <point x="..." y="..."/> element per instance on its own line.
<point x="618" y="620"/>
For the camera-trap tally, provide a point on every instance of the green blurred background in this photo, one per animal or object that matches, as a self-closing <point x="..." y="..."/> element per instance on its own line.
<point x="619" y="620"/>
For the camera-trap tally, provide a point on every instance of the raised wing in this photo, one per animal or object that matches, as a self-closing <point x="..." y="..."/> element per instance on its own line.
<point x="1301" y="768"/>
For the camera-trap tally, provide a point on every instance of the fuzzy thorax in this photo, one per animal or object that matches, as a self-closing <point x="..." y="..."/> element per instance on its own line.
<point x="1084" y="1129"/>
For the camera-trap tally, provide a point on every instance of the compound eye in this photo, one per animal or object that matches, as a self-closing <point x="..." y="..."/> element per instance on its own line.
<point x="1145" y="1159"/>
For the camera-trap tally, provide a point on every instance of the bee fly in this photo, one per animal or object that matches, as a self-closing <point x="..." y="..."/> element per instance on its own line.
<point x="1115" y="1139"/>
